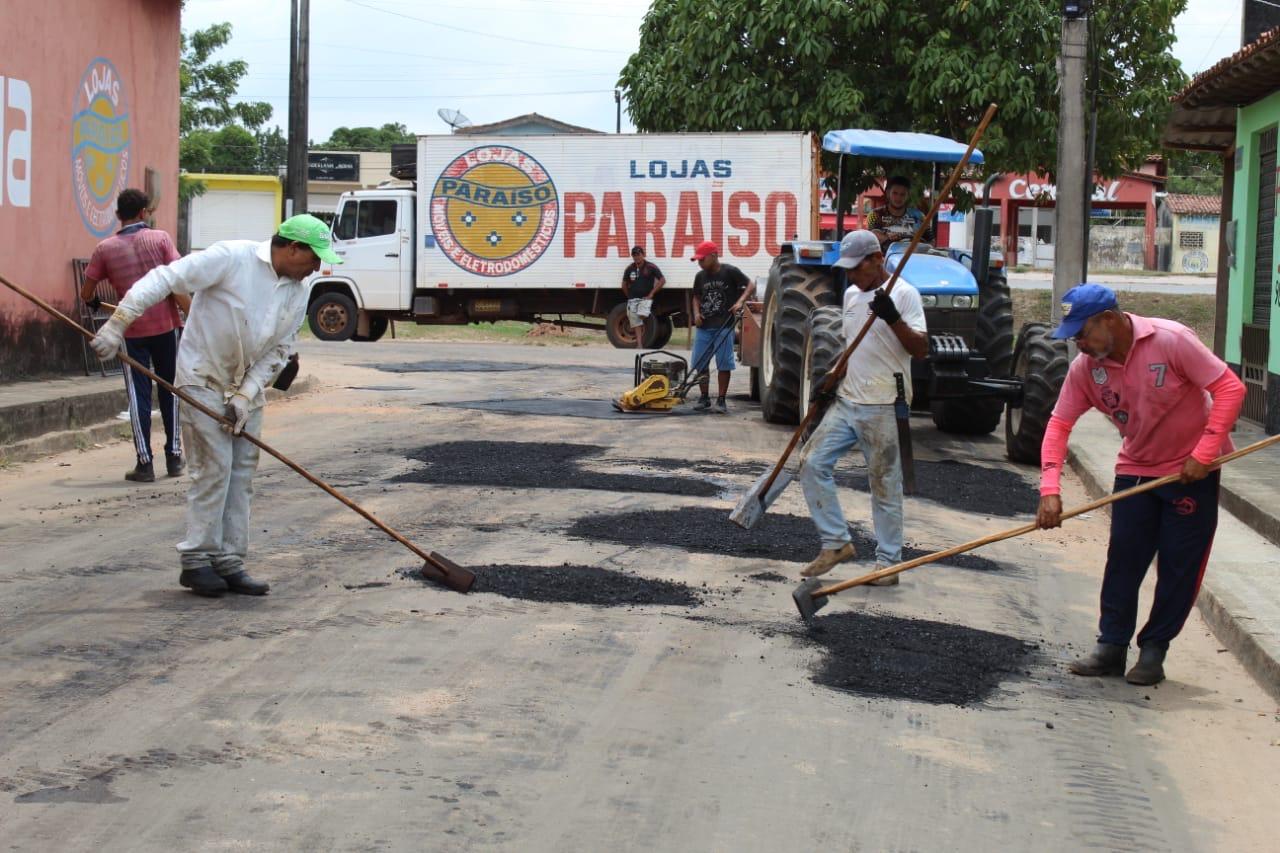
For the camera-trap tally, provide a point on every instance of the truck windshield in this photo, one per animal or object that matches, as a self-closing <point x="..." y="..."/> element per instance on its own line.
<point x="368" y="218"/>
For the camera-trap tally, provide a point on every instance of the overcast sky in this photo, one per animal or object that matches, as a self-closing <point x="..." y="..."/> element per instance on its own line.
<point x="378" y="61"/>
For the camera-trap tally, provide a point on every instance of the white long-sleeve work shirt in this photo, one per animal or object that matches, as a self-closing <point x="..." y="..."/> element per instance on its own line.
<point x="244" y="316"/>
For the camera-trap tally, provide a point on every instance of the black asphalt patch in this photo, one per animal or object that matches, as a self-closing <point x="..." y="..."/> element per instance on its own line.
<point x="957" y="485"/>
<point x="572" y="584"/>
<point x="706" y="530"/>
<point x="890" y="657"/>
<point x="768" y="577"/>
<point x="537" y="465"/>
<point x="563" y="407"/>
<point x="457" y="367"/>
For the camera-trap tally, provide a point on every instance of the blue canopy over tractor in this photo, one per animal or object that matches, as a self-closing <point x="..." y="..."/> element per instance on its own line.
<point x="894" y="145"/>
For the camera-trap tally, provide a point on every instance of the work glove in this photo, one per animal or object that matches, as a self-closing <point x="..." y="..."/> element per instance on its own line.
<point x="94" y="303"/>
<point x="109" y="342"/>
<point x="882" y="306"/>
<point x="238" y="413"/>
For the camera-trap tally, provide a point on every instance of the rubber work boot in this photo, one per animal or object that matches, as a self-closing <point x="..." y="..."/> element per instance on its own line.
<point x="142" y="473"/>
<point x="1150" y="667"/>
<point x="203" y="581"/>
<point x="241" y="583"/>
<point x="702" y="405"/>
<point x="828" y="560"/>
<point x="1105" y="659"/>
<point x="892" y="580"/>
<point x="720" y="408"/>
<point x="176" y="465"/>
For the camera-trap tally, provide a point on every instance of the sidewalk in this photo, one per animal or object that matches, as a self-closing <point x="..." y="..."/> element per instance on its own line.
<point x="48" y="416"/>
<point x="1240" y="597"/>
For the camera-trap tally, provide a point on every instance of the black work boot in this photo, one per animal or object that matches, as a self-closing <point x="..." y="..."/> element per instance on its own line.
<point x="241" y="583"/>
<point x="203" y="580"/>
<point x="1150" y="666"/>
<point x="176" y="465"/>
<point x="1105" y="659"/>
<point x="142" y="473"/>
<point x="703" y="404"/>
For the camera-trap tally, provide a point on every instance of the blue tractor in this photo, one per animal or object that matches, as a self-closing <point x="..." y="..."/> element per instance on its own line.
<point x="975" y="371"/>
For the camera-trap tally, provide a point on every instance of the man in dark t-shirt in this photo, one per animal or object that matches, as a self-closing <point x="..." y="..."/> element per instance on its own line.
<point x="641" y="282"/>
<point x="719" y="293"/>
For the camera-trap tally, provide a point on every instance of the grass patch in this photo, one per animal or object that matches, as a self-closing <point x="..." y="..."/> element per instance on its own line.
<point x="1195" y="311"/>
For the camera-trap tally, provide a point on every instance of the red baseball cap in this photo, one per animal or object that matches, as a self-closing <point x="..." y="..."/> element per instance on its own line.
<point x="706" y="247"/>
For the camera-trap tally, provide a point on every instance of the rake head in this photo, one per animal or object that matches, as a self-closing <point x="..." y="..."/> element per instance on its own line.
<point x="805" y="601"/>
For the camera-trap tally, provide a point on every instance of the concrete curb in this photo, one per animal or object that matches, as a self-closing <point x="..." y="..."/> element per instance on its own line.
<point x="1218" y="607"/>
<point x="61" y="441"/>
<point x="22" y="422"/>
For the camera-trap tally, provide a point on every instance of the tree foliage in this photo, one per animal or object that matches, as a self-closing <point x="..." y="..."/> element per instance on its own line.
<point x="368" y="138"/>
<point x="926" y="65"/>
<point x="207" y="87"/>
<point x="1196" y="172"/>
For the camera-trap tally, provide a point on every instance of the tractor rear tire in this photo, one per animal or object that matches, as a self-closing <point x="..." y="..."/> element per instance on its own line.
<point x="1041" y="363"/>
<point x="823" y="346"/>
<point x="794" y="292"/>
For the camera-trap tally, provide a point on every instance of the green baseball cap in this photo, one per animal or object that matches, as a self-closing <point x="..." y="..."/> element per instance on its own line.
<point x="305" y="228"/>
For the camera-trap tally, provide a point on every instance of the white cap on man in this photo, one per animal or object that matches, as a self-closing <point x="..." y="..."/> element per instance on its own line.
<point x="856" y="246"/>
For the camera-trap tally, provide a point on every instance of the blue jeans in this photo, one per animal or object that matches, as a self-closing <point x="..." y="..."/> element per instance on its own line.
<point x="874" y="431"/>
<point x="704" y="340"/>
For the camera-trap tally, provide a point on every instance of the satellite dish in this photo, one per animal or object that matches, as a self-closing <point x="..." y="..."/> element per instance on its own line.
<point x="453" y="118"/>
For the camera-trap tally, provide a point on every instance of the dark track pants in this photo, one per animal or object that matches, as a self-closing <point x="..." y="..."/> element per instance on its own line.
<point x="1175" y="524"/>
<point x="160" y="353"/>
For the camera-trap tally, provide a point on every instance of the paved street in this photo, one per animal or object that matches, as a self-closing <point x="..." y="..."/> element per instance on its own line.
<point x="357" y="709"/>
<point x="1167" y="283"/>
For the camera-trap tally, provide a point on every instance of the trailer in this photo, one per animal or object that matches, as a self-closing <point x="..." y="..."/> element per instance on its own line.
<point x="540" y="228"/>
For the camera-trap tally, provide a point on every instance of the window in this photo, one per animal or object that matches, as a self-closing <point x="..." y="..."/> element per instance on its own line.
<point x="1190" y="240"/>
<point x="377" y="218"/>
<point x="344" y="228"/>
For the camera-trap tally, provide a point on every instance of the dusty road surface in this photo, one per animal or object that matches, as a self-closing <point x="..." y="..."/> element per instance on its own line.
<point x="685" y="708"/>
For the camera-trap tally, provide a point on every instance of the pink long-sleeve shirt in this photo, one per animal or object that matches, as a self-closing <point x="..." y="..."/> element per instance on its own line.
<point x="1171" y="398"/>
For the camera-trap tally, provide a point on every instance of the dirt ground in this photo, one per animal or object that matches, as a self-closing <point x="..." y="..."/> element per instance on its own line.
<point x="684" y="706"/>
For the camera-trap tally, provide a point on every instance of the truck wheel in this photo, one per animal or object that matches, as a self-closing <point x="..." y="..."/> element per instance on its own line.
<point x="994" y="337"/>
<point x="377" y="328"/>
<point x="1041" y="363"/>
<point x="967" y="416"/>
<point x="823" y="346"/>
<point x="332" y="316"/>
<point x="658" y="332"/>
<point x="793" y="293"/>
<point x="618" y="329"/>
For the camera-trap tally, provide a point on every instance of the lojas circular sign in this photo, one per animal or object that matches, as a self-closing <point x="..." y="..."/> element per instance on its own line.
<point x="494" y="210"/>
<point x="100" y="144"/>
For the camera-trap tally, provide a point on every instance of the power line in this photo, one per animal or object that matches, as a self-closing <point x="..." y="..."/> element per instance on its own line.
<point x="478" y="32"/>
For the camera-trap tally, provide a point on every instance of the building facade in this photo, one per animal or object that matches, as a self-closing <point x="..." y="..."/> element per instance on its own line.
<point x="88" y="107"/>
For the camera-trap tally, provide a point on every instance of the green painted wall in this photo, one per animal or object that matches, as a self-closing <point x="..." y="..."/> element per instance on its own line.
<point x="1252" y="121"/>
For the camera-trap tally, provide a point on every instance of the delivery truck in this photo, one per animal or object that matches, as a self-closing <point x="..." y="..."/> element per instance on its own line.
<point x="540" y="228"/>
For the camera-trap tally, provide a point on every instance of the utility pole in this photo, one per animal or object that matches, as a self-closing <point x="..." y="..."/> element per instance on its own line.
<point x="299" y="87"/>
<point x="1072" y="203"/>
<point x="617" y="99"/>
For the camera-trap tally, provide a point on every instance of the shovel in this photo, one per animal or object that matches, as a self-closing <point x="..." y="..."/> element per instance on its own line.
<point x="751" y="508"/>
<point x="435" y="566"/>
<point x="811" y="596"/>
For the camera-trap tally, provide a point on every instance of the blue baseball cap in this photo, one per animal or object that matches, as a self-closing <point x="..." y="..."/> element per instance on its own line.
<point x="1079" y="304"/>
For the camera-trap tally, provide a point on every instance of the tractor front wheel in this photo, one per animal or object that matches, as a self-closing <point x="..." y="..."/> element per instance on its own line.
<point x="1041" y="363"/>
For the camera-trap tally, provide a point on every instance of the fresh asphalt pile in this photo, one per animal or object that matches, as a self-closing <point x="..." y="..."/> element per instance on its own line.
<point x="573" y="584"/>
<point x="891" y="657"/>
<point x="707" y="530"/>
<point x="537" y="465"/>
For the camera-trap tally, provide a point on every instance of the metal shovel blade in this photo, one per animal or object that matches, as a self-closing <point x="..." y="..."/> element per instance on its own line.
<point x="448" y="573"/>
<point x="805" y="602"/>
<point x="751" y="508"/>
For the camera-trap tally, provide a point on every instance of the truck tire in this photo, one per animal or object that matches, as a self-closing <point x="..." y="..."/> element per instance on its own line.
<point x="794" y="292"/>
<point x="618" y="329"/>
<point x="823" y="346"/>
<point x="658" y="332"/>
<point x="332" y="316"/>
<point x="377" y="328"/>
<point x="1041" y="363"/>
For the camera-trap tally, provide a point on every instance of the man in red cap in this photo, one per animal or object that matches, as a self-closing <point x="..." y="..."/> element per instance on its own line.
<point x="719" y="292"/>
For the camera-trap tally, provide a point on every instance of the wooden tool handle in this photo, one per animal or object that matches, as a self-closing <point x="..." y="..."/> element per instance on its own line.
<point x="842" y="364"/>
<point x="1028" y="528"/>
<point x="222" y="419"/>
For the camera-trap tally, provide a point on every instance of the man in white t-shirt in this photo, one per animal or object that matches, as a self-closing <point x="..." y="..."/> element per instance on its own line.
<point x="862" y="413"/>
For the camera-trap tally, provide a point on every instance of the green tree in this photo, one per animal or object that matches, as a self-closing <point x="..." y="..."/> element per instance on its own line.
<point x="928" y="65"/>
<point x="273" y="151"/>
<point x="208" y="88"/>
<point x="1196" y="172"/>
<point x="367" y="138"/>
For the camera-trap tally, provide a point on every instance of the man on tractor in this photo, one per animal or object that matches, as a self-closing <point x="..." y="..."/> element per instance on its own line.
<point x="896" y="221"/>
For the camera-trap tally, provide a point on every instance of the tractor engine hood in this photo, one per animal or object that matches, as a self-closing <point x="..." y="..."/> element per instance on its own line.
<point x="933" y="274"/>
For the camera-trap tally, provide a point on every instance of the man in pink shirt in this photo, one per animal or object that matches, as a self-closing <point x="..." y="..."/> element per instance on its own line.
<point x="1174" y="402"/>
<point x="122" y="259"/>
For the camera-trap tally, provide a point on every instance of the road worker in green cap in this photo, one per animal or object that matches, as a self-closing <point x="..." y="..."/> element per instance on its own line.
<point x="247" y="304"/>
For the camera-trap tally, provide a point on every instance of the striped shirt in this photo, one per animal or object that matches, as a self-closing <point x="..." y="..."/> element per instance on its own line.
<point x="127" y="256"/>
